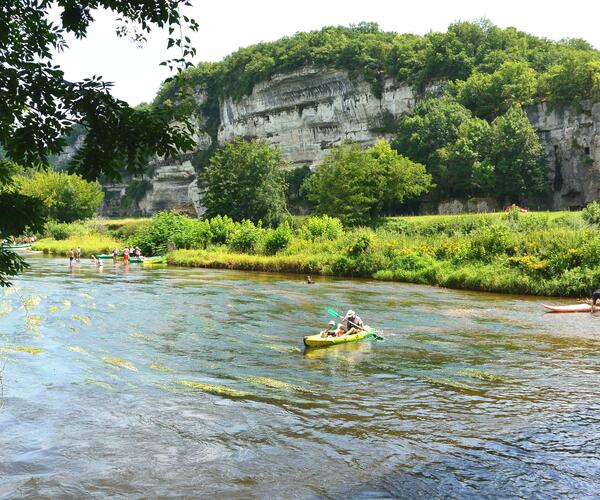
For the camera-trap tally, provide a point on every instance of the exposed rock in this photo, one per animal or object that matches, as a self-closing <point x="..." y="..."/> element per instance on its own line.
<point x="571" y="138"/>
<point x="307" y="112"/>
<point x="171" y="185"/>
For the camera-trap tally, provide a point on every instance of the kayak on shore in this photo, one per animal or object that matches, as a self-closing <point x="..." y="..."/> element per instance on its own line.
<point x="318" y="340"/>
<point x="574" y="308"/>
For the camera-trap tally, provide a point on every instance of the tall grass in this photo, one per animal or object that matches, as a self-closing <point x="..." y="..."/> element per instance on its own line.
<point x="90" y="245"/>
<point x="533" y="253"/>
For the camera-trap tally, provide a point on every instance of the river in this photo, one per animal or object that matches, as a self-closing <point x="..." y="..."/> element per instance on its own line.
<point x="195" y="383"/>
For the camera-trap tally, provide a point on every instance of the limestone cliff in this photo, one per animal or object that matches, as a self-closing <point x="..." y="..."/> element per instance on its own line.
<point x="571" y="137"/>
<point x="307" y="112"/>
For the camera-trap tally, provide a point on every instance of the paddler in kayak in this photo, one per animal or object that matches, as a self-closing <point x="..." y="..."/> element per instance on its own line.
<point x="353" y="323"/>
<point x="330" y="331"/>
<point x="595" y="297"/>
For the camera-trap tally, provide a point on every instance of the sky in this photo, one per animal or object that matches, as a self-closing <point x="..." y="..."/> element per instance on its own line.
<point x="227" y="25"/>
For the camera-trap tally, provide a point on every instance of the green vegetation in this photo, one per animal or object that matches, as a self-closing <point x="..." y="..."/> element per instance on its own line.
<point x="66" y="197"/>
<point x="532" y="253"/>
<point x="567" y="70"/>
<point x="245" y="180"/>
<point x="468" y="156"/>
<point x="41" y="111"/>
<point x="360" y="185"/>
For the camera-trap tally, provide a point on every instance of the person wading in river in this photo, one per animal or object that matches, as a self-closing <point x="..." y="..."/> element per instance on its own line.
<point x="595" y="298"/>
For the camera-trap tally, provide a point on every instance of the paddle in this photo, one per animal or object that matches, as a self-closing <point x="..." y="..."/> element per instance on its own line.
<point x="331" y="312"/>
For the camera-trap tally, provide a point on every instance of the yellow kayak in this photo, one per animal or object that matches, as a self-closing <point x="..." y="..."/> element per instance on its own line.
<point x="319" y="341"/>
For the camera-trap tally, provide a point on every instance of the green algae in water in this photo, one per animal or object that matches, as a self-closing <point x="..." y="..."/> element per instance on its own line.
<point x="85" y="320"/>
<point x="453" y="384"/>
<point x="32" y="301"/>
<point x="137" y="335"/>
<point x="219" y="390"/>
<point x="481" y="375"/>
<point x="160" y="368"/>
<point x="273" y="383"/>
<point x="5" y="309"/>
<point x="75" y="348"/>
<point x="120" y="363"/>
<point x="34" y="351"/>
<point x="98" y="383"/>
<point x="53" y="309"/>
<point x="33" y="321"/>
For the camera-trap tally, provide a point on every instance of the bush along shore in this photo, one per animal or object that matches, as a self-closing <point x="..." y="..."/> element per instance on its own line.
<point x="539" y="253"/>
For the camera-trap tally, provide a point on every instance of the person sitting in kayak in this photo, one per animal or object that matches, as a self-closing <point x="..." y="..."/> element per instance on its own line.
<point x="353" y="323"/>
<point x="595" y="297"/>
<point x="330" y="331"/>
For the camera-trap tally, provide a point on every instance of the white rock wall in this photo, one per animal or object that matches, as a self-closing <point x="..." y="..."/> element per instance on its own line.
<point x="311" y="110"/>
<point x="571" y="138"/>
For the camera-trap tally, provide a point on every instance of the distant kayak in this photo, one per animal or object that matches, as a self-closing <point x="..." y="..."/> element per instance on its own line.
<point x="159" y="259"/>
<point x="318" y="341"/>
<point x="136" y="260"/>
<point x="575" y="308"/>
<point x="14" y="247"/>
<point x="104" y="256"/>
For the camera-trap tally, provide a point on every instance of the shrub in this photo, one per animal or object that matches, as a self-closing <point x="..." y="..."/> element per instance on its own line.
<point x="245" y="237"/>
<point x="66" y="197"/>
<point x="63" y="231"/>
<point x="277" y="239"/>
<point x="489" y="242"/>
<point x="221" y="229"/>
<point x="591" y="214"/>
<point x="359" y="242"/>
<point x="321" y="228"/>
<point x="164" y="228"/>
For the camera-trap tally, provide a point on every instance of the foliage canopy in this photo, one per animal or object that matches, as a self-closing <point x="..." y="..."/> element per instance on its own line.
<point x="245" y="180"/>
<point x="358" y="185"/>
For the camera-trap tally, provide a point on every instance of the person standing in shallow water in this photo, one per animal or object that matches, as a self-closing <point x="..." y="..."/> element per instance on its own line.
<point x="71" y="257"/>
<point x="595" y="298"/>
<point x="78" y="254"/>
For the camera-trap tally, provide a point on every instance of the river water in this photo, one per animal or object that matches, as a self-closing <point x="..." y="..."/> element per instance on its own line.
<point x="195" y="383"/>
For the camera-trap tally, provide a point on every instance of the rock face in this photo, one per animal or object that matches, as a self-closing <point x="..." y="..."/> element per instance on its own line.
<point x="571" y="138"/>
<point x="307" y="112"/>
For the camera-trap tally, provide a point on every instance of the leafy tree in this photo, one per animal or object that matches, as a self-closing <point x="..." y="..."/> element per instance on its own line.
<point x="358" y="185"/>
<point x="18" y="213"/>
<point x="468" y="171"/>
<point x="245" y="180"/>
<point x="433" y="124"/>
<point x="517" y="155"/>
<point x="66" y="197"/>
<point x="39" y="107"/>
<point x="575" y="78"/>
<point x="489" y="95"/>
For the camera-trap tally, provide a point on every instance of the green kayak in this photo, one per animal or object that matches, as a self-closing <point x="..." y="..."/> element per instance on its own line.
<point x="104" y="256"/>
<point x="20" y="245"/>
<point x="159" y="259"/>
<point x="319" y="341"/>
<point x="136" y="260"/>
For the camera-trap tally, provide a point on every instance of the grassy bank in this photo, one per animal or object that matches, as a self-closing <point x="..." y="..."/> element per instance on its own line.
<point x="533" y="253"/>
<point x="90" y="245"/>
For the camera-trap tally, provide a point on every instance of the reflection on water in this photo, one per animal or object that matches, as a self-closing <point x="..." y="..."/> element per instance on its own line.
<point x="195" y="382"/>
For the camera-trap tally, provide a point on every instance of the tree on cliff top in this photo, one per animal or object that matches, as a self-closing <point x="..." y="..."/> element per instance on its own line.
<point x="245" y="180"/>
<point x="39" y="106"/>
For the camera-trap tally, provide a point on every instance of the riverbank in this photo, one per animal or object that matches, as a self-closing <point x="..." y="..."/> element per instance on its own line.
<point x="533" y="253"/>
